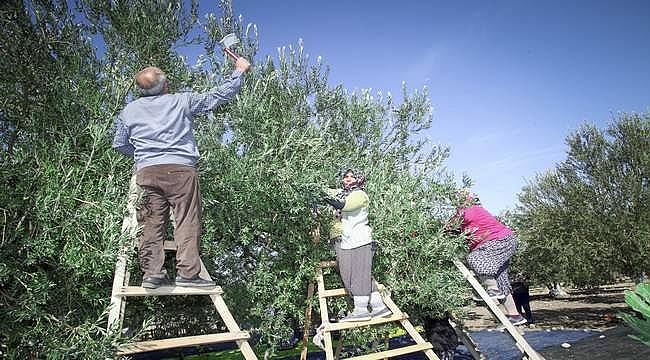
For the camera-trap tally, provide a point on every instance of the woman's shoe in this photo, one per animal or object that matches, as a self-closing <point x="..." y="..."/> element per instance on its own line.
<point x="381" y="312"/>
<point x="495" y="294"/>
<point x="357" y="316"/>
<point x="515" y="320"/>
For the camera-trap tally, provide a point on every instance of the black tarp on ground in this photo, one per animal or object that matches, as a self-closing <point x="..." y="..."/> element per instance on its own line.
<point x="497" y="345"/>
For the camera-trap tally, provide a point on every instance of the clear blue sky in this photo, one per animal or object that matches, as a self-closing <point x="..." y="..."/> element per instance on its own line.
<point x="508" y="80"/>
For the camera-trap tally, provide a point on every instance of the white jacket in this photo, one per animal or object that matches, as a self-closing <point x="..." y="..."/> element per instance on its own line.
<point x="354" y="218"/>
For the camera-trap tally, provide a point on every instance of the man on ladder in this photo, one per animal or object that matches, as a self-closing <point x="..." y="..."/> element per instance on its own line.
<point x="156" y="131"/>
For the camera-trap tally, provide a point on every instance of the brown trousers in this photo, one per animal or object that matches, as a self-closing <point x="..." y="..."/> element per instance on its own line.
<point x="176" y="187"/>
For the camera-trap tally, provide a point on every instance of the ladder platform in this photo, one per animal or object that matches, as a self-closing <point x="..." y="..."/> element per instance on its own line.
<point x="395" y="352"/>
<point x="167" y="290"/>
<point x="154" y="345"/>
<point x="357" y="324"/>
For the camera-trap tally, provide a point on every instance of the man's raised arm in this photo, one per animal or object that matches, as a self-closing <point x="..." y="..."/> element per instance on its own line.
<point x="202" y="102"/>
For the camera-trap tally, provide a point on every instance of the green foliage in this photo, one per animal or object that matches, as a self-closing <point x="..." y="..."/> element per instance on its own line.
<point x="586" y="221"/>
<point x="61" y="202"/>
<point x="265" y="158"/>
<point x="639" y="301"/>
<point x="260" y="187"/>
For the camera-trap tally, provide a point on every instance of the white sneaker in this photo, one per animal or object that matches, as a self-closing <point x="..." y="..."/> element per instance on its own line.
<point x="318" y="338"/>
<point x="381" y="312"/>
<point x="357" y="316"/>
<point x="515" y="320"/>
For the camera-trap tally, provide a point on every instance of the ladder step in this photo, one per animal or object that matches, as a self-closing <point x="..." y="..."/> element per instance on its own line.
<point x="167" y="290"/>
<point x="340" y="292"/>
<point x="395" y="352"/>
<point x="333" y="293"/>
<point x="356" y="324"/>
<point x="327" y="264"/>
<point x="154" y="345"/>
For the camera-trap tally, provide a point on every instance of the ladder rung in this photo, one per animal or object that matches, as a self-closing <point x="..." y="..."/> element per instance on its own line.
<point x="327" y="264"/>
<point x="356" y="324"/>
<point x="154" y="345"/>
<point x="167" y="290"/>
<point x="395" y="352"/>
<point x="333" y="293"/>
<point x="340" y="292"/>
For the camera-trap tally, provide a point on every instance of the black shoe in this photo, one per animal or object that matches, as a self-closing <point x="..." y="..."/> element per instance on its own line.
<point x="194" y="282"/>
<point x="152" y="282"/>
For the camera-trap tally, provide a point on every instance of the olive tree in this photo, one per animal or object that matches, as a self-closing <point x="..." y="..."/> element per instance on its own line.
<point x="265" y="159"/>
<point x="586" y="221"/>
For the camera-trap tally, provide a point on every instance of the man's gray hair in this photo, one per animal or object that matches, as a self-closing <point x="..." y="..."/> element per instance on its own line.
<point x="157" y="86"/>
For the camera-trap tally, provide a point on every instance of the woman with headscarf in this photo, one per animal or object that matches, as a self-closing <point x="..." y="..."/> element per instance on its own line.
<point x="354" y="246"/>
<point x="491" y="245"/>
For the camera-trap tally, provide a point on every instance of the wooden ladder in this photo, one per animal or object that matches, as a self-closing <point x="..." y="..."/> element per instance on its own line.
<point x="520" y="342"/>
<point x="471" y="346"/>
<point x="397" y="316"/>
<point x="122" y="290"/>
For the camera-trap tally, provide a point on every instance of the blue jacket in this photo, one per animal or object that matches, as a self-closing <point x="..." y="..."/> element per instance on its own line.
<point x="157" y="130"/>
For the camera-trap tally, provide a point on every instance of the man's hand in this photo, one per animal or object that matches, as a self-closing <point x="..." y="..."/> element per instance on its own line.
<point x="242" y="64"/>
